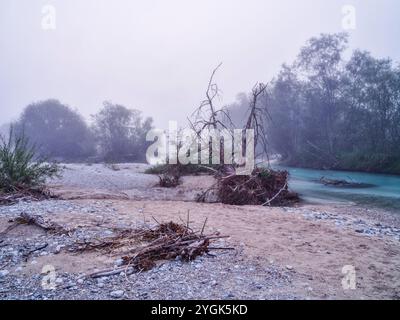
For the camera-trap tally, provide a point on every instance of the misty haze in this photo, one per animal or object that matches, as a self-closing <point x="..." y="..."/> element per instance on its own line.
<point x="199" y="150"/>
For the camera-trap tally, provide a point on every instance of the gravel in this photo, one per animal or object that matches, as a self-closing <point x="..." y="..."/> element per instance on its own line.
<point x="351" y="220"/>
<point x="225" y="276"/>
<point x="172" y="280"/>
<point x="229" y="275"/>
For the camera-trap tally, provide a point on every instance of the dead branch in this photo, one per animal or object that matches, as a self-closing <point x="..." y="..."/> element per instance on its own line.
<point x="39" y="221"/>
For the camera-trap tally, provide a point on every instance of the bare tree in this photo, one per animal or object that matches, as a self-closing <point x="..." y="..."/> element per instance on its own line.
<point x="258" y="116"/>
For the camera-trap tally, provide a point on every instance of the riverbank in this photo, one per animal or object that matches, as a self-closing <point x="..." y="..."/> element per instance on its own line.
<point x="280" y="253"/>
<point x="392" y="168"/>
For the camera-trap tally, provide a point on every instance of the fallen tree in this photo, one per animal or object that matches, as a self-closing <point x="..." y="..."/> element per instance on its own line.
<point x="239" y="180"/>
<point x="344" y="183"/>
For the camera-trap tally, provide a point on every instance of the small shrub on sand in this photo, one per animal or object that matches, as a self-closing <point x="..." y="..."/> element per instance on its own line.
<point x="20" y="169"/>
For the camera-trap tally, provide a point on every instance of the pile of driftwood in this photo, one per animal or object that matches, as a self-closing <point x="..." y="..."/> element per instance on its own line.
<point x="141" y="250"/>
<point x="263" y="187"/>
<point x="167" y="242"/>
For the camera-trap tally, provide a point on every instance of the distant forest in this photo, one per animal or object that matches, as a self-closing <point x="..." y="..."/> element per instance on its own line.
<point x="58" y="132"/>
<point x="326" y="112"/>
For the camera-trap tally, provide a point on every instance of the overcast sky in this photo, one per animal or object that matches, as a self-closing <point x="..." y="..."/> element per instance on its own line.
<point x="157" y="55"/>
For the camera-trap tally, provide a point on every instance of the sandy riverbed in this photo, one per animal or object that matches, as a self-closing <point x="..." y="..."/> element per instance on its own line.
<point x="281" y="253"/>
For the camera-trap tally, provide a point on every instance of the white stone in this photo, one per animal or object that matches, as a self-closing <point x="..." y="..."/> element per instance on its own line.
<point x="3" y="273"/>
<point x="117" y="294"/>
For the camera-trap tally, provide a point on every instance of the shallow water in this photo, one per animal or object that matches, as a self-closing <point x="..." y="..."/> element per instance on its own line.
<point x="384" y="194"/>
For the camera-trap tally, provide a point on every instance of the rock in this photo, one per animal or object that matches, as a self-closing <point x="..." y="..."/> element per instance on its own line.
<point x="119" y="262"/>
<point x="289" y="267"/>
<point x="3" y="273"/>
<point x="118" y="294"/>
<point x="57" y="250"/>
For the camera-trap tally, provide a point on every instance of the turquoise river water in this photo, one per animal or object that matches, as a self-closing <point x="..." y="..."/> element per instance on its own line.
<point x="385" y="192"/>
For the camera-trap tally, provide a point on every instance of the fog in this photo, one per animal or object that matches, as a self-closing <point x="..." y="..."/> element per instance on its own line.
<point x="157" y="55"/>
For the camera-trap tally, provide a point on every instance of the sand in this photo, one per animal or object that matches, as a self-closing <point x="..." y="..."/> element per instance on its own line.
<point x="314" y="251"/>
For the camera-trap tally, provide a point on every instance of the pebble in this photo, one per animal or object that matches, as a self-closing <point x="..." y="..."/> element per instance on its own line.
<point x="57" y="250"/>
<point x="119" y="262"/>
<point x="117" y="294"/>
<point x="3" y="273"/>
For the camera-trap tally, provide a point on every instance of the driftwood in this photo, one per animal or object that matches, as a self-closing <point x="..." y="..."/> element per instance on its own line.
<point x="25" y="195"/>
<point x="262" y="187"/>
<point x="33" y="250"/>
<point x="344" y="183"/>
<point x="169" y="180"/>
<point x="167" y="241"/>
<point x="38" y="221"/>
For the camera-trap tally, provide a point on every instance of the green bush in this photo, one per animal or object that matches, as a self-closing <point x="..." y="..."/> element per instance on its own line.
<point x="20" y="169"/>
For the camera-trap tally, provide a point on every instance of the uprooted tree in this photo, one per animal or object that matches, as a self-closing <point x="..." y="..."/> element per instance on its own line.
<point x="236" y="184"/>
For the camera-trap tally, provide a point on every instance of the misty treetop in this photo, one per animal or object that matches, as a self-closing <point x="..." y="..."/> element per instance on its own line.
<point x="332" y="113"/>
<point x="121" y="133"/>
<point x="59" y="132"/>
<point x="325" y="111"/>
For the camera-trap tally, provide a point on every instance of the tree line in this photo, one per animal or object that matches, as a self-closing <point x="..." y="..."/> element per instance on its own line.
<point x="116" y="133"/>
<point x="328" y="112"/>
<point x="323" y="111"/>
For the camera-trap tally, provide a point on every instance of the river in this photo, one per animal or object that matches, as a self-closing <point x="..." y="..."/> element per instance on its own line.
<point x="385" y="192"/>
